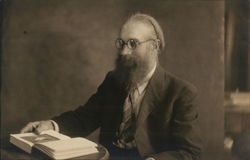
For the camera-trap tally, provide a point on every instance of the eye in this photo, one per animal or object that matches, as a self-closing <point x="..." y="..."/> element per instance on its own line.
<point x="132" y="43"/>
<point x="119" y="43"/>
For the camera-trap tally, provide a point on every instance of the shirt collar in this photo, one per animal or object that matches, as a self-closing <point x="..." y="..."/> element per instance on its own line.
<point x="142" y="86"/>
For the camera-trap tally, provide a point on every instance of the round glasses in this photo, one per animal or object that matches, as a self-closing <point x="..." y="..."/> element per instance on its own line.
<point x="131" y="43"/>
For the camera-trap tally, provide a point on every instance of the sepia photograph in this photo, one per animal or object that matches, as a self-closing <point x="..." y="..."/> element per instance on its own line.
<point x="125" y="80"/>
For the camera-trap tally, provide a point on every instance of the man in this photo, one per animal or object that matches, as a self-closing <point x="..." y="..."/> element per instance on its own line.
<point x="142" y="110"/>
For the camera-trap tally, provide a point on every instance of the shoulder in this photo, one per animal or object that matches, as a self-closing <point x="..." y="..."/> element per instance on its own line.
<point x="111" y="81"/>
<point x="178" y="86"/>
<point x="182" y="84"/>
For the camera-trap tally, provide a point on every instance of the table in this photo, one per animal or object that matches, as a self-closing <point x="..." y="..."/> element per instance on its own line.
<point x="11" y="152"/>
<point x="237" y="127"/>
<point x="237" y="118"/>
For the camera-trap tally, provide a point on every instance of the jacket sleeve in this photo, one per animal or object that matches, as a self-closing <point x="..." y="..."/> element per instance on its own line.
<point x="184" y="131"/>
<point x="86" y="118"/>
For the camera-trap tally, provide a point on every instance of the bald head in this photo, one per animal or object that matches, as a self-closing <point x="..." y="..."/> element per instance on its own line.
<point x="137" y="30"/>
<point x="155" y="29"/>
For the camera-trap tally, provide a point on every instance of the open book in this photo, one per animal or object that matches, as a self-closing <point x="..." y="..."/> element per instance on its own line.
<point x="54" y="144"/>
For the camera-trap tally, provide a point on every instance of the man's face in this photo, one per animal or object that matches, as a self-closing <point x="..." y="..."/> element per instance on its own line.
<point x="139" y="61"/>
<point x="143" y="53"/>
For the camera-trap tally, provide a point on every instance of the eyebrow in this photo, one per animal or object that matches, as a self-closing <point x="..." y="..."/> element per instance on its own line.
<point x="129" y="39"/>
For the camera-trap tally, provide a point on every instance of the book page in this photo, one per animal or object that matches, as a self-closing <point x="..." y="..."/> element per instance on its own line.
<point x="17" y="138"/>
<point x="39" y="138"/>
<point x="68" y="144"/>
<point x="45" y="136"/>
<point x="55" y="134"/>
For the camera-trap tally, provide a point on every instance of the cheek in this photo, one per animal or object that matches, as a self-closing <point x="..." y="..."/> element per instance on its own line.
<point x="142" y="51"/>
<point x="145" y="57"/>
<point x="145" y="53"/>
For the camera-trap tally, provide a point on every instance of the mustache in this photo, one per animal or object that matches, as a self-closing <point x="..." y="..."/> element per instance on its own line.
<point x="126" y="62"/>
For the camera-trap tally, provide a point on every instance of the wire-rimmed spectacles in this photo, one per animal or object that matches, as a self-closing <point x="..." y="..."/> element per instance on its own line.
<point x="131" y="43"/>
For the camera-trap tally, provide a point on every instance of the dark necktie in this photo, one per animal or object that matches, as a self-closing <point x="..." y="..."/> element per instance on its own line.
<point x="127" y="128"/>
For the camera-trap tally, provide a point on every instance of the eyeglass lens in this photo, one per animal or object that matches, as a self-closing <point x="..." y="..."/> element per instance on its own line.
<point x="131" y="44"/>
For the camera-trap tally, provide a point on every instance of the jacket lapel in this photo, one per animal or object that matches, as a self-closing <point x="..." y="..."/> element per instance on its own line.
<point x="152" y="96"/>
<point x="154" y="93"/>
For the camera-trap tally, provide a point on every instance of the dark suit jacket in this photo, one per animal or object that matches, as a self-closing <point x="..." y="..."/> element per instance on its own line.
<point x="166" y="125"/>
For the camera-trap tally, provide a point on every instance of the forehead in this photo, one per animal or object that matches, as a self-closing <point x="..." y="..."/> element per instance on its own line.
<point x="136" y="30"/>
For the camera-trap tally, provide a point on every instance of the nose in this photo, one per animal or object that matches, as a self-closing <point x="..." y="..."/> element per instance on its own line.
<point x="125" y="50"/>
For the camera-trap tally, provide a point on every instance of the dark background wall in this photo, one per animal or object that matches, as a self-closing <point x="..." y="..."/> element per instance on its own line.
<point x="237" y="50"/>
<point x="56" y="53"/>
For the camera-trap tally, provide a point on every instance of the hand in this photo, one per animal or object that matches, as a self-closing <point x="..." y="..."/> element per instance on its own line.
<point x="150" y="158"/>
<point x="37" y="126"/>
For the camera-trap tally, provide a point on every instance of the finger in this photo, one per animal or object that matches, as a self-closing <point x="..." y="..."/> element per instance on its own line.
<point x="25" y="129"/>
<point x="29" y="127"/>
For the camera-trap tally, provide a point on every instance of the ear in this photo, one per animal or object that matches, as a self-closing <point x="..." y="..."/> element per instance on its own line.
<point x="156" y="44"/>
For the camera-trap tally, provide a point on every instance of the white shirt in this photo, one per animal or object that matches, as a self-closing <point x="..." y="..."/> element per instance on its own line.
<point x="140" y="91"/>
